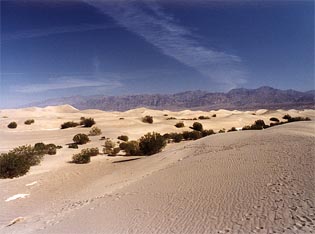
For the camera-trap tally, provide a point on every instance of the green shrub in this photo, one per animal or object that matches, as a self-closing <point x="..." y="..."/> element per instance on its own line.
<point x="40" y="147"/>
<point x="233" y="129"/>
<point x="207" y="132"/>
<point x="109" y="147"/>
<point x="151" y="143"/>
<point x="34" y="157"/>
<point x="197" y="126"/>
<point x="51" y="149"/>
<point x="12" y="165"/>
<point x="81" y="158"/>
<point x="147" y="119"/>
<point x="29" y="121"/>
<point x="91" y="151"/>
<point x="123" y="138"/>
<point x="81" y="139"/>
<point x="12" y="125"/>
<point x="274" y="119"/>
<point x="131" y="148"/>
<point x="203" y="117"/>
<point x="180" y="125"/>
<point x="69" y="124"/>
<point x="95" y="131"/>
<point x="178" y="137"/>
<point x="87" y="122"/>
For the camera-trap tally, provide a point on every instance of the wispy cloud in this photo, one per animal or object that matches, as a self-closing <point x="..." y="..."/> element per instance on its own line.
<point x="148" y="20"/>
<point x="61" y="83"/>
<point x="51" y="31"/>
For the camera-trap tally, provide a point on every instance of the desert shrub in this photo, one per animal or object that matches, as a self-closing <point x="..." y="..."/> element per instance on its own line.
<point x="50" y="149"/>
<point x="87" y="122"/>
<point x="180" y="125"/>
<point x="207" y="132"/>
<point x="109" y="147"/>
<point x="274" y="119"/>
<point x="91" y="151"/>
<point x="247" y="127"/>
<point x="29" y="121"/>
<point x="287" y="117"/>
<point x="260" y="122"/>
<point x="170" y="118"/>
<point x="294" y="119"/>
<point x="222" y="131"/>
<point x="203" y="117"/>
<point x="95" y="131"/>
<point x="81" y="158"/>
<point x="32" y="156"/>
<point x="81" y="139"/>
<point x="214" y="115"/>
<point x="193" y="135"/>
<point x="167" y="136"/>
<point x="233" y="129"/>
<point x="151" y="143"/>
<point x="123" y="138"/>
<point x="121" y="118"/>
<point x="40" y="146"/>
<point x="131" y="148"/>
<point x="12" y="165"/>
<point x="12" y="125"/>
<point x="69" y="124"/>
<point x="197" y="126"/>
<point x="147" y="119"/>
<point x="177" y="137"/>
<point x="73" y="146"/>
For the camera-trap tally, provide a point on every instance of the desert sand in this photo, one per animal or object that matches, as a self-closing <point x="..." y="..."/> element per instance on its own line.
<point x="237" y="182"/>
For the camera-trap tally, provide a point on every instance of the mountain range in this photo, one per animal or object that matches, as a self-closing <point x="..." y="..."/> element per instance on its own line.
<point x="240" y="99"/>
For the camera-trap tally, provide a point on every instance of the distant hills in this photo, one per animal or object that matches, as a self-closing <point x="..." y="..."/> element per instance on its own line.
<point x="240" y="99"/>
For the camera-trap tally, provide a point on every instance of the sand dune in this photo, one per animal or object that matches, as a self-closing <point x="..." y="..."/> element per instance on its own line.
<point x="238" y="182"/>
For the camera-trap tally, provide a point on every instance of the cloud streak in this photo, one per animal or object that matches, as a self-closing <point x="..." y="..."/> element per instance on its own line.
<point x="148" y="20"/>
<point x="52" y="31"/>
<point x="61" y="83"/>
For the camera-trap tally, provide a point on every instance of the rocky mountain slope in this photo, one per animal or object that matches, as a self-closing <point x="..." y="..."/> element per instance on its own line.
<point x="241" y="99"/>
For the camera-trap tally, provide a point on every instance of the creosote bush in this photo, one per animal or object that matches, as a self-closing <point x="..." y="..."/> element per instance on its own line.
<point x="207" y="132"/>
<point x="81" y="158"/>
<point x="151" y="143"/>
<point x="69" y="124"/>
<point x="73" y="146"/>
<point x="50" y="149"/>
<point x="177" y="137"/>
<point x="81" y="139"/>
<point x="90" y="151"/>
<point x="294" y="119"/>
<point x="197" y="126"/>
<point x="147" y="119"/>
<point x="109" y="148"/>
<point x="203" y="117"/>
<point x="214" y="115"/>
<point x="180" y="125"/>
<point x="233" y="129"/>
<point x="87" y="122"/>
<point x="12" y="125"/>
<point x="123" y="138"/>
<point x="29" y="121"/>
<point x="95" y="131"/>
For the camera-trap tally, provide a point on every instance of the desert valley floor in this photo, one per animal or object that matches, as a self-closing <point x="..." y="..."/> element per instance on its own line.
<point x="236" y="182"/>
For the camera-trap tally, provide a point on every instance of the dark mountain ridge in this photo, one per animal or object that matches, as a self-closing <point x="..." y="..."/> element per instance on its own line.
<point x="240" y="99"/>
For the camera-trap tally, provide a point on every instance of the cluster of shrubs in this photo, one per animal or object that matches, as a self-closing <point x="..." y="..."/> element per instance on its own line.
<point x="189" y="119"/>
<point x="147" y="119"/>
<point x="110" y="148"/>
<point x="17" y="162"/>
<point x="85" y="155"/>
<point x="29" y="121"/>
<point x="84" y="122"/>
<point x="294" y="119"/>
<point x="12" y="125"/>
<point x="95" y="131"/>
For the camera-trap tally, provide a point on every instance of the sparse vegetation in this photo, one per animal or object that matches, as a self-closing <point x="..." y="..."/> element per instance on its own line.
<point x="81" y="139"/>
<point x="207" y="132"/>
<point x="95" y="131"/>
<point x="12" y="125"/>
<point x="294" y="119"/>
<point x="69" y="124"/>
<point x="233" y="129"/>
<point x="180" y="125"/>
<point x="131" y="148"/>
<point x="123" y="138"/>
<point x="214" y="115"/>
<point x="151" y="143"/>
<point x="193" y="135"/>
<point x="203" y="117"/>
<point x="29" y="121"/>
<point x="170" y="118"/>
<point x="222" y="131"/>
<point x="87" y="122"/>
<point x="73" y="146"/>
<point x="197" y="126"/>
<point x="147" y="119"/>
<point x="177" y="137"/>
<point x="109" y="147"/>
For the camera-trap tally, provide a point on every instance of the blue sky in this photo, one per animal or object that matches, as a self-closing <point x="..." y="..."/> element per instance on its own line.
<point x="91" y="47"/>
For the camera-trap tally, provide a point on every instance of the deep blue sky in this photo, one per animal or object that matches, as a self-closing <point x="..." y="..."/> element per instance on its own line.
<point x="63" y="48"/>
